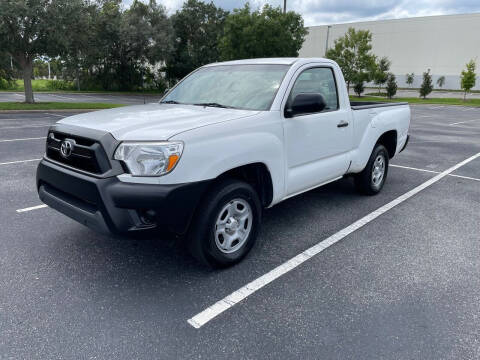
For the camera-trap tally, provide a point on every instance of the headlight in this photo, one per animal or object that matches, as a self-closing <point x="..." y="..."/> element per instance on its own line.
<point x="149" y="159"/>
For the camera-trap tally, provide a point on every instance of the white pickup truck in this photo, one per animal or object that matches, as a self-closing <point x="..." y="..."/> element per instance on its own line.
<point x="227" y="141"/>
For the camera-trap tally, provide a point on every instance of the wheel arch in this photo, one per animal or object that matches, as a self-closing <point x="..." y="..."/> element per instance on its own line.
<point x="389" y="140"/>
<point x="257" y="175"/>
<point x="373" y="137"/>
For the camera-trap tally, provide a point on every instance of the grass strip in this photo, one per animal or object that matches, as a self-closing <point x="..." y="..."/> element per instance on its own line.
<point x="414" y="100"/>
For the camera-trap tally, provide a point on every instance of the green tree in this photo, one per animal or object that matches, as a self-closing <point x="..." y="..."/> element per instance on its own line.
<point x="359" y="88"/>
<point x="262" y="33"/>
<point x="30" y="28"/>
<point x="81" y="44"/>
<point x="353" y="54"/>
<point x="468" y="78"/>
<point x="427" y="84"/>
<point x="103" y="56"/>
<point x="391" y="85"/>
<point x="146" y="39"/>
<point x="198" y="28"/>
<point x="441" y="81"/>
<point x="126" y="44"/>
<point x="380" y="73"/>
<point x="409" y="79"/>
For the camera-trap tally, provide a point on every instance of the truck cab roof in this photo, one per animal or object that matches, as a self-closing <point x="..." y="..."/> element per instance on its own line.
<point x="273" y="61"/>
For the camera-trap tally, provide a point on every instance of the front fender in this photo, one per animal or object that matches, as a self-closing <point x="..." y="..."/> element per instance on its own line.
<point x="213" y="150"/>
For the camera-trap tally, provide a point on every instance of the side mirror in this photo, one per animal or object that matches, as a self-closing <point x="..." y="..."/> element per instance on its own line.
<point x="306" y="103"/>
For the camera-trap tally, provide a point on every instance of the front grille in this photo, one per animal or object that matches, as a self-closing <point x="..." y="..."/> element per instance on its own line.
<point x="86" y="155"/>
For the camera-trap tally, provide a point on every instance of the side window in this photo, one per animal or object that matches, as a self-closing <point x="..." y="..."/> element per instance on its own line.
<point x="317" y="80"/>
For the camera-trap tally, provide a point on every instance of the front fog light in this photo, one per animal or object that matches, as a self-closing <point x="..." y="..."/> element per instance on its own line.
<point x="149" y="159"/>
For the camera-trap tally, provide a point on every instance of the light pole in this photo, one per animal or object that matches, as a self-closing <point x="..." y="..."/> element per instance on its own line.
<point x="284" y="6"/>
<point x="326" y="41"/>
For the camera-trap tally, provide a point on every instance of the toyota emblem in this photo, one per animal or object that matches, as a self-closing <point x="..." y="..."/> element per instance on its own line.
<point x="66" y="148"/>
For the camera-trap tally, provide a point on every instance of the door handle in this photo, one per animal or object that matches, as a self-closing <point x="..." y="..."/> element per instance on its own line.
<point x="342" y="123"/>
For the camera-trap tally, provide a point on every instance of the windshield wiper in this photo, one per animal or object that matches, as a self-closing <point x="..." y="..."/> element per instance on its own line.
<point x="170" y="102"/>
<point x="213" y="104"/>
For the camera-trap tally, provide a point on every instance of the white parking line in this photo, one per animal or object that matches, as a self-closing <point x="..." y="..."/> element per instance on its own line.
<point x="93" y="96"/>
<point x="435" y="172"/>
<point x="226" y="303"/>
<point x="35" y="138"/>
<point x="463" y="122"/>
<point x="62" y="116"/>
<point x="22" y="119"/>
<point x="61" y="97"/>
<point x="32" y="208"/>
<point x="19" y="161"/>
<point x="412" y="168"/>
<point x="25" y="126"/>
<point x="464" y="177"/>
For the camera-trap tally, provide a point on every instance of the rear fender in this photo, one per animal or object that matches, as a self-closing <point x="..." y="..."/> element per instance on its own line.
<point x="382" y="121"/>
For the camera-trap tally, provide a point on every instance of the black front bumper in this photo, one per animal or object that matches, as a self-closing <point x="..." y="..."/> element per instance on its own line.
<point x="110" y="206"/>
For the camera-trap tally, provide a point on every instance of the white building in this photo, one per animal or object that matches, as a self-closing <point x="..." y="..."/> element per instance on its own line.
<point x="443" y="44"/>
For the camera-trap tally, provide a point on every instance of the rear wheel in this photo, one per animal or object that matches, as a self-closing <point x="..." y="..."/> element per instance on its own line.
<point x="226" y="225"/>
<point x="371" y="180"/>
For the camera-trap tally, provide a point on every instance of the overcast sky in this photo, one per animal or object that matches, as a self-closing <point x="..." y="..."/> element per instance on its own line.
<point x="320" y="12"/>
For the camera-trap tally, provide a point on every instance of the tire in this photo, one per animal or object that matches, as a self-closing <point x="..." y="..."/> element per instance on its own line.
<point x="368" y="181"/>
<point x="226" y="224"/>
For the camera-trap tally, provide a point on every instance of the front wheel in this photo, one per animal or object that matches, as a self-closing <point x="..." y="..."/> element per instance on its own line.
<point x="371" y="180"/>
<point x="226" y="225"/>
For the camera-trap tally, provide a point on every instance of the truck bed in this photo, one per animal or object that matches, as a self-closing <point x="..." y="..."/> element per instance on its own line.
<point x="361" y="105"/>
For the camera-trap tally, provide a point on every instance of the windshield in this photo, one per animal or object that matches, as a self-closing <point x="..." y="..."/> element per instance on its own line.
<point x="251" y="87"/>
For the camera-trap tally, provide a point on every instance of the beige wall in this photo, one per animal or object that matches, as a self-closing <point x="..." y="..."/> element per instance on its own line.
<point x="443" y="44"/>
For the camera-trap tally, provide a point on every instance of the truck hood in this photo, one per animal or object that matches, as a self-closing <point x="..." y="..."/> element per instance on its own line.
<point x="153" y="121"/>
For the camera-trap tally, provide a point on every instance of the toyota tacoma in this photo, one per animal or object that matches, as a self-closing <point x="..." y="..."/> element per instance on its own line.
<point x="226" y="142"/>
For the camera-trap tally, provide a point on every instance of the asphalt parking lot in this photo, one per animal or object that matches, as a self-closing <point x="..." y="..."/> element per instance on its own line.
<point x="81" y="97"/>
<point x="405" y="285"/>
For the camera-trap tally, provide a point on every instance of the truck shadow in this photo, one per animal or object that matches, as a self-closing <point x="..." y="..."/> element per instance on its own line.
<point x="157" y="261"/>
<point x="157" y="255"/>
<point x="154" y="269"/>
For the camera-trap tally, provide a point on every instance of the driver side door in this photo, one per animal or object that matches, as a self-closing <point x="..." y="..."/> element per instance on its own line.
<point x="317" y="144"/>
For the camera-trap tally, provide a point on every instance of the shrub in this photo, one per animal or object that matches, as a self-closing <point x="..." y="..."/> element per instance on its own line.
<point x="380" y="73"/>
<point x="409" y="79"/>
<point x="359" y="88"/>
<point x="391" y="86"/>
<point x="468" y="78"/>
<point x="427" y="85"/>
<point x="90" y="83"/>
<point x="5" y="84"/>
<point x="55" y="85"/>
